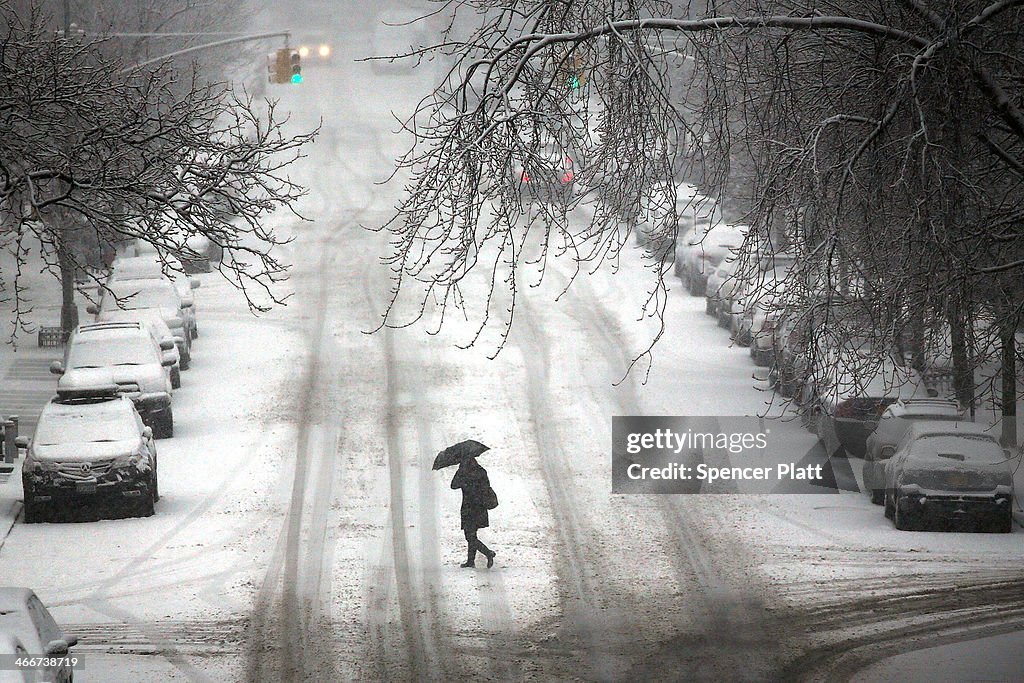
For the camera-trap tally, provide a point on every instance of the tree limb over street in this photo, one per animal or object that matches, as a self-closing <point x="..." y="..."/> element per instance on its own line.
<point x="92" y="156"/>
<point x="880" y="142"/>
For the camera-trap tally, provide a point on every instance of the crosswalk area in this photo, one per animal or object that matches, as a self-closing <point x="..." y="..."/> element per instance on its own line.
<point x="25" y="387"/>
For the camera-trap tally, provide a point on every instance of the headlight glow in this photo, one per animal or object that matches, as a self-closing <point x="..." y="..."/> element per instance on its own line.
<point x="324" y="51"/>
<point x="303" y="51"/>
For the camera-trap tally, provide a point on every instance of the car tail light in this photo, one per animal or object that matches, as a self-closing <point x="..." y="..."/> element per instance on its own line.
<point x="567" y="177"/>
<point x="526" y="177"/>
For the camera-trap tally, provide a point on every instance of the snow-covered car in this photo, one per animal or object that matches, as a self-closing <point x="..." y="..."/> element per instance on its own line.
<point x="28" y="628"/>
<point x="763" y="325"/>
<point x="149" y="267"/>
<point x="892" y="426"/>
<point x="121" y="354"/>
<point x="949" y="471"/>
<point x="89" y="445"/>
<point x="753" y="300"/>
<point x="124" y="296"/>
<point x="702" y="250"/>
<point x="720" y="285"/>
<point x="672" y="209"/>
<point x="847" y="390"/>
<point x="162" y="335"/>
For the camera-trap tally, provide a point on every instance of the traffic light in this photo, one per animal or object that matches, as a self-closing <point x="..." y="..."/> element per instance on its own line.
<point x="284" y="66"/>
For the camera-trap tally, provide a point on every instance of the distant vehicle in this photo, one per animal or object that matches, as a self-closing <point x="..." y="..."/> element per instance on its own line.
<point x="122" y="354"/>
<point x="27" y="626"/>
<point x="123" y="296"/>
<point x="893" y="425"/>
<point x="88" y="445"/>
<point x="949" y="471"/>
<point x="549" y="176"/>
<point x="765" y="321"/>
<point x="316" y="47"/>
<point x="762" y="293"/>
<point x="847" y="390"/>
<point x="149" y="267"/>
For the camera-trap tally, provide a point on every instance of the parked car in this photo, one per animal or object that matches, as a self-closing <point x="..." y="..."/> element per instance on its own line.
<point x="847" y="390"/>
<point x="121" y="354"/>
<point x="720" y="285"/>
<point x="89" y="444"/>
<point x="765" y="321"/>
<point x="150" y="268"/>
<point x="703" y="249"/>
<point x="124" y="296"/>
<point x="892" y="426"/>
<point x="162" y="336"/>
<point x="949" y="471"/>
<point x="28" y="627"/>
<point x="761" y="293"/>
<point x="660" y="219"/>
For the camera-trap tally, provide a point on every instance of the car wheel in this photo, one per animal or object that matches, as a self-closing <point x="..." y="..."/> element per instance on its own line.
<point x="877" y="496"/>
<point x="175" y="378"/>
<point x="905" y="521"/>
<point x="154" y="484"/>
<point x="677" y="269"/>
<point x="195" y="332"/>
<point x="889" y="507"/>
<point x="163" y="425"/>
<point x="709" y="307"/>
<point x="34" y="512"/>
<point x="185" y="359"/>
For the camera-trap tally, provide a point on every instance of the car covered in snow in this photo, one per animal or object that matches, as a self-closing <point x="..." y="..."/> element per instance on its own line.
<point x="148" y="268"/>
<point x="89" y="444"/>
<point x="28" y="629"/>
<point x="845" y="392"/>
<point x="122" y="354"/>
<point x="892" y="426"/>
<point x="122" y="297"/>
<point x="162" y="335"/>
<point x="949" y="472"/>
<point x="702" y="249"/>
<point x="720" y="285"/>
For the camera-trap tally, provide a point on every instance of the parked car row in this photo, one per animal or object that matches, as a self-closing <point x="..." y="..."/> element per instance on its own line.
<point x="95" y="440"/>
<point x="922" y="458"/>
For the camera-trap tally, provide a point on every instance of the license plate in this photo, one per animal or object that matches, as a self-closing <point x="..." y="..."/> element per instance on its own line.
<point x="957" y="479"/>
<point x="85" y="487"/>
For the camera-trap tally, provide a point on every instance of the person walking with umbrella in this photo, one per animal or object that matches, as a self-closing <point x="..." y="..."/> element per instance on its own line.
<point x="477" y="495"/>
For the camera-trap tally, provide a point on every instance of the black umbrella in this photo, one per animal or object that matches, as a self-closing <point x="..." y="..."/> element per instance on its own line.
<point x="453" y="455"/>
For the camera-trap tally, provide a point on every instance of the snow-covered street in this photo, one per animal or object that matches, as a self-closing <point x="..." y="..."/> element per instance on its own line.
<point x="301" y="534"/>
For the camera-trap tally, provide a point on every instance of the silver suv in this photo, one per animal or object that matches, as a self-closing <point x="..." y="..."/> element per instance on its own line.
<point x="121" y="354"/>
<point x="89" y="444"/>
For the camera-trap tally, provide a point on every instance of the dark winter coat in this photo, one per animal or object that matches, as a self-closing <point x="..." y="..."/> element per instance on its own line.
<point x="472" y="479"/>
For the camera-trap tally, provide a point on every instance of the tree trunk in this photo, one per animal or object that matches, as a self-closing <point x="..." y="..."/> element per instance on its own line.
<point x="963" y="375"/>
<point x="68" y="308"/>
<point x="1008" y="399"/>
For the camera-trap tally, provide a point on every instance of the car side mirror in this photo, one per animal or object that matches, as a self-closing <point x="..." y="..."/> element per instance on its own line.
<point x="166" y="344"/>
<point x="92" y="308"/>
<point x="147" y="432"/>
<point x="167" y="360"/>
<point x="56" y="368"/>
<point x="57" y="647"/>
<point x="21" y="441"/>
<point x="70" y="640"/>
<point x="194" y="283"/>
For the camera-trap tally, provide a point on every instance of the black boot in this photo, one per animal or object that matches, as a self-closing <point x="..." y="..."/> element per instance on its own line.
<point x="490" y="559"/>
<point x="470" y="557"/>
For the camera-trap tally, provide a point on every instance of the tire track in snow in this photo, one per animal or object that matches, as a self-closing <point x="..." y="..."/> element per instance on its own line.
<point x="737" y="643"/>
<point x="586" y="625"/>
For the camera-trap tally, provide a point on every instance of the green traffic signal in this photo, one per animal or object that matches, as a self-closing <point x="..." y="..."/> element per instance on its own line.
<point x="296" y="78"/>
